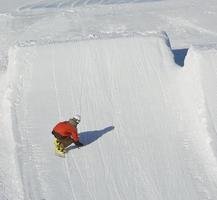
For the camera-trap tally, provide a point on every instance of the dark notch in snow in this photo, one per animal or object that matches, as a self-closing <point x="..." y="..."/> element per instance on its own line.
<point x="179" y="56"/>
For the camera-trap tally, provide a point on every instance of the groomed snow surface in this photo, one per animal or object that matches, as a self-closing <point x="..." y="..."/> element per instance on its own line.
<point x="149" y="125"/>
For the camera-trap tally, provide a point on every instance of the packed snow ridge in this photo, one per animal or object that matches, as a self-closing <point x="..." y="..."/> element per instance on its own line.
<point x="149" y="125"/>
<point x="59" y="4"/>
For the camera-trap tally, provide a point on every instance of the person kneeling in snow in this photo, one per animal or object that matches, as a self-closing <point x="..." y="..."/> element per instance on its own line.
<point x="66" y="133"/>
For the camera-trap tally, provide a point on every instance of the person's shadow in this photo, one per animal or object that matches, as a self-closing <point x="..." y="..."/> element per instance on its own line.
<point x="89" y="137"/>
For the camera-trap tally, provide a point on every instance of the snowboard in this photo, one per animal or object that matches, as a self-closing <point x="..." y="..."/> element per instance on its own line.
<point x="59" y="154"/>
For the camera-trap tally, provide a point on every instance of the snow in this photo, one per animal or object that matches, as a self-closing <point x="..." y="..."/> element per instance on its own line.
<point x="142" y="74"/>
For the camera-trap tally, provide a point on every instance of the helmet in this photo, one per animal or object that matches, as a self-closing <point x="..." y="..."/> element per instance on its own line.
<point x="76" y="119"/>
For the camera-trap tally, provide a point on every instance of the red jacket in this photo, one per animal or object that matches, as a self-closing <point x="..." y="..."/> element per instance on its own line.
<point x="66" y="129"/>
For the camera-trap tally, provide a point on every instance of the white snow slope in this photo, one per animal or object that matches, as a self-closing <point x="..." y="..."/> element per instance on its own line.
<point x="147" y="123"/>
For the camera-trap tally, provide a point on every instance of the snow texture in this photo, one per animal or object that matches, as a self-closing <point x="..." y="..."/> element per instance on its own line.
<point x="148" y="104"/>
<point x="145" y="122"/>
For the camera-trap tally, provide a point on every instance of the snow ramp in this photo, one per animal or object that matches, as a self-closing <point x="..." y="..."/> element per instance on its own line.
<point x="141" y="122"/>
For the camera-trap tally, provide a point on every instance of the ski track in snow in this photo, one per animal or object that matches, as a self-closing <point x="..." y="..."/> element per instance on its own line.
<point x="60" y="117"/>
<point x="180" y="22"/>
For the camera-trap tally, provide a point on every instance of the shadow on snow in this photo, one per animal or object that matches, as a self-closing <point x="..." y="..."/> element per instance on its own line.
<point x="89" y="137"/>
<point x="179" y="56"/>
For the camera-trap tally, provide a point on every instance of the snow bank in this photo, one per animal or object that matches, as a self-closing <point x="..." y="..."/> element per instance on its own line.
<point x="204" y="60"/>
<point x="200" y="78"/>
<point x="144" y="121"/>
<point x="201" y="64"/>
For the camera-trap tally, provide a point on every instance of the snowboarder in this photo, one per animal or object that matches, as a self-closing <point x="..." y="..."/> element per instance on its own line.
<point x="65" y="134"/>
